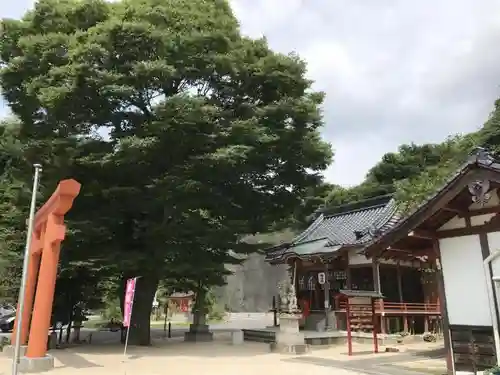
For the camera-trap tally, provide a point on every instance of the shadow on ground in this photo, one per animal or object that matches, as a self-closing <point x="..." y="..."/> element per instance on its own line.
<point x="220" y="347"/>
<point x="68" y="358"/>
<point x="438" y="353"/>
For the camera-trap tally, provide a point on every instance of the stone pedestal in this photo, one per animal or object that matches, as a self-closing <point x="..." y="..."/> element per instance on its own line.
<point x="289" y="340"/>
<point x="8" y="351"/>
<point x="237" y="337"/>
<point x="198" y="333"/>
<point x="332" y="322"/>
<point x="316" y="321"/>
<point x="33" y="365"/>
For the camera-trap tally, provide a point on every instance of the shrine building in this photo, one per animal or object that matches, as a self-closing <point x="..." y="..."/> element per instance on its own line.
<point x="458" y="228"/>
<point x="329" y="256"/>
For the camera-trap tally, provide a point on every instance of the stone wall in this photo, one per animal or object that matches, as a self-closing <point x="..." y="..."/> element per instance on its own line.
<point x="252" y="285"/>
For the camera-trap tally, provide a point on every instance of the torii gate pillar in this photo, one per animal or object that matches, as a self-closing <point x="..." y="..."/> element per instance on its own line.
<point x="48" y="233"/>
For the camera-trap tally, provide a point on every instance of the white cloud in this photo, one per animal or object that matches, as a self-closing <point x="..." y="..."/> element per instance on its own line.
<point x="394" y="70"/>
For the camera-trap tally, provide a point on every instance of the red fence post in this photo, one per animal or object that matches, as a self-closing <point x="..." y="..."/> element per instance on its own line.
<point x="374" y="322"/>
<point x="349" y="333"/>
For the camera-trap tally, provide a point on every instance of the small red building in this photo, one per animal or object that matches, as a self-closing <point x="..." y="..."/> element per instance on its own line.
<point x="181" y="301"/>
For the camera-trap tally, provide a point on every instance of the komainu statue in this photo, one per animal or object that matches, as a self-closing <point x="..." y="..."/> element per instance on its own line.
<point x="288" y="298"/>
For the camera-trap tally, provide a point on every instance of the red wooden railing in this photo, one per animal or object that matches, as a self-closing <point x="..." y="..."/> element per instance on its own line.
<point x="402" y="308"/>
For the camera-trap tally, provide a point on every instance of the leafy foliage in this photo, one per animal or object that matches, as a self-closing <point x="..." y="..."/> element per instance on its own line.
<point x="489" y="135"/>
<point x="14" y="200"/>
<point x="412" y="191"/>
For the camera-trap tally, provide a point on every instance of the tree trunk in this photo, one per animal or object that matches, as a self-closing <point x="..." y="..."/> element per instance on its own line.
<point x="140" y="332"/>
<point x="200" y="308"/>
<point x="70" y="323"/>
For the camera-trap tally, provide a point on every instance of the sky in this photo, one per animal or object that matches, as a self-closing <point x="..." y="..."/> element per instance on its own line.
<point x="394" y="71"/>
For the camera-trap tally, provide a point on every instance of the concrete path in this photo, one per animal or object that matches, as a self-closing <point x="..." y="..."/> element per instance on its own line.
<point x="175" y="356"/>
<point x="364" y="361"/>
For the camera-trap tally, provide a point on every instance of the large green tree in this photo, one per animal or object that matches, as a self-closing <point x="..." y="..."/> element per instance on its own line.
<point x="489" y="135"/>
<point x="185" y="135"/>
<point x="454" y="151"/>
<point x="412" y="190"/>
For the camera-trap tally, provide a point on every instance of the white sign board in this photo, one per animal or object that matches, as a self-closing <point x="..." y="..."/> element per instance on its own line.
<point x="321" y="278"/>
<point x="360" y="300"/>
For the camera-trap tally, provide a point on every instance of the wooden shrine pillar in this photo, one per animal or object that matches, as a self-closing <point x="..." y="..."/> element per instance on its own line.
<point x="376" y="276"/>
<point x="378" y="289"/>
<point x="348" y="273"/>
<point x="399" y="281"/>
<point x="49" y="232"/>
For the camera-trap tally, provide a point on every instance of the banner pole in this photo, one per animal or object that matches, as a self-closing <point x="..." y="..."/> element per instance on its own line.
<point x="22" y="289"/>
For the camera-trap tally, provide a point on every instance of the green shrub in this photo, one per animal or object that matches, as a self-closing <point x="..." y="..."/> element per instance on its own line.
<point x="4" y="342"/>
<point x="112" y="310"/>
<point x="216" y="313"/>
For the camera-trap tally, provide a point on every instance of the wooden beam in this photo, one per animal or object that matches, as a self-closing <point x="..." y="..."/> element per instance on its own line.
<point x="453" y="209"/>
<point x="491" y="226"/>
<point x="481" y="211"/>
<point x="468" y="222"/>
<point x="398" y="250"/>
<point x="444" y="310"/>
<point x="422" y="233"/>
<point x="423" y="252"/>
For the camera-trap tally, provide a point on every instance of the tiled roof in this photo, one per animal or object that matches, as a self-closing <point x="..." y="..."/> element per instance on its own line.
<point x="341" y="228"/>
<point x="349" y="225"/>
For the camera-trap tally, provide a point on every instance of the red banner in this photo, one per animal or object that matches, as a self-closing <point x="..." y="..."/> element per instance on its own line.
<point x="129" y="301"/>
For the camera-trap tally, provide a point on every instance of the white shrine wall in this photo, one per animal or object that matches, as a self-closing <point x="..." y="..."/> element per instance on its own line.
<point x="465" y="281"/>
<point x="463" y="269"/>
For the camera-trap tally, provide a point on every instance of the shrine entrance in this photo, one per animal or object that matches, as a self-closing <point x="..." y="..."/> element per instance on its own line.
<point x="48" y="233"/>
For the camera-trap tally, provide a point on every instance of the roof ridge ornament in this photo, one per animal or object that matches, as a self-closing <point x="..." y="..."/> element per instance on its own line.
<point x="482" y="156"/>
<point x="373" y="230"/>
<point x="479" y="190"/>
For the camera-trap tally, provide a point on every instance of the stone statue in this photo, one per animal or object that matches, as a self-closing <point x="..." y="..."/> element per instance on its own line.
<point x="289" y="339"/>
<point x="288" y="298"/>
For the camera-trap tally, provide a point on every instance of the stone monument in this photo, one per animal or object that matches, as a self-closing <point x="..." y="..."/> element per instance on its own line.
<point x="288" y="338"/>
<point x="199" y="331"/>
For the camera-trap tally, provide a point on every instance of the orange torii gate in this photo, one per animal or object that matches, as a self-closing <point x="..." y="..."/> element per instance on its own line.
<point x="48" y="233"/>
